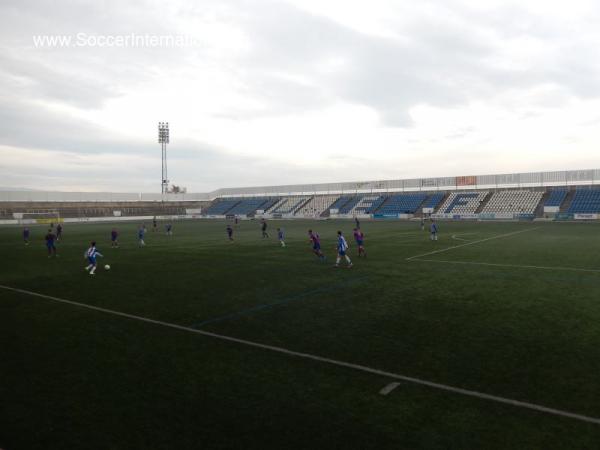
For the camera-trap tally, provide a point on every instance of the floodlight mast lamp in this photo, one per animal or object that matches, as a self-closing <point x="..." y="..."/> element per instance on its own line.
<point x="163" y="140"/>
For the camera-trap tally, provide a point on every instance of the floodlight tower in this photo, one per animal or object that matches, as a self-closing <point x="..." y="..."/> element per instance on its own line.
<point x="163" y="140"/>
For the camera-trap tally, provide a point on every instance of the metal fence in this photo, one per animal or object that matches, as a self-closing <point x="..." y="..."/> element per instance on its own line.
<point x="512" y="180"/>
<point x="467" y="182"/>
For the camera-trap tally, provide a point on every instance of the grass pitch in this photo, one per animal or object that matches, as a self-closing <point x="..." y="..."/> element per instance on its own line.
<point x="507" y="309"/>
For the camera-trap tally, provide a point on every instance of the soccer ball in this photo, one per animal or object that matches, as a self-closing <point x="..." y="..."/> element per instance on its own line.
<point x="107" y="267"/>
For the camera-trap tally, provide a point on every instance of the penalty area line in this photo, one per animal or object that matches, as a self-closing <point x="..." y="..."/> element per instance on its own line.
<point x="321" y="359"/>
<point x="513" y="266"/>
<point x="498" y="236"/>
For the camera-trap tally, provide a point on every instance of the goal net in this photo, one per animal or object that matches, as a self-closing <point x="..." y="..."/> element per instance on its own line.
<point x="45" y="216"/>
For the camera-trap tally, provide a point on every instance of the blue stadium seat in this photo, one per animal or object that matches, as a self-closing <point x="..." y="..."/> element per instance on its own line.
<point x="222" y="206"/>
<point x="556" y="197"/>
<point x="368" y="204"/>
<point x="350" y="204"/>
<point x="434" y="200"/>
<point x="340" y="202"/>
<point x="249" y="205"/>
<point x="270" y="203"/>
<point x="403" y="204"/>
<point x="585" y="201"/>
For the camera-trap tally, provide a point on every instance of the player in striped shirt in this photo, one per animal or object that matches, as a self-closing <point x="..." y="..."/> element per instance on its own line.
<point x="316" y="243"/>
<point x="91" y="254"/>
<point x="359" y="237"/>
<point x="342" y="247"/>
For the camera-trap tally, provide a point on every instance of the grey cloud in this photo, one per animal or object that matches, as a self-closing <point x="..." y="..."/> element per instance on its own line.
<point x="27" y="125"/>
<point x="438" y="63"/>
<point x="287" y="68"/>
<point x="34" y="80"/>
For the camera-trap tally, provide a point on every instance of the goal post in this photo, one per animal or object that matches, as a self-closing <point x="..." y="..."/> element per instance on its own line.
<point x="40" y="216"/>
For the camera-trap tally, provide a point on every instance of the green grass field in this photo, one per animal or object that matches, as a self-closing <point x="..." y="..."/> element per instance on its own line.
<point x="515" y="316"/>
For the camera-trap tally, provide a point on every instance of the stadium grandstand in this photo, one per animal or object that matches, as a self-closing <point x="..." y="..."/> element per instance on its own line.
<point x="464" y="202"/>
<point x="317" y="205"/>
<point x="544" y="195"/>
<point x="404" y="203"/>
<point x="524" y="202"/>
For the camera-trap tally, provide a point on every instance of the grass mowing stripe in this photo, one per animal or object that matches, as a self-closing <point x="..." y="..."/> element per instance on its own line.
<point x="510" y="266"/>
<point x="283" y="301"/>
<point x="498" y="236"/>
<point x="334" y="362"/>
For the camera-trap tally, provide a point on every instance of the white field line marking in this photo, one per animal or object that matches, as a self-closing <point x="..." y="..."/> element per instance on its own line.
<point x="498" y="236"/>
<point x="454" y="236"/>
<point x="389" y="388"/>
<point x="334" y="362"/>
<point x="516" y="266"/>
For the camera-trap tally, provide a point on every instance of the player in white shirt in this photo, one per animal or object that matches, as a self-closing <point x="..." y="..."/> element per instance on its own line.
<point x="342" y="246"/>
<point x="91" y="254"/>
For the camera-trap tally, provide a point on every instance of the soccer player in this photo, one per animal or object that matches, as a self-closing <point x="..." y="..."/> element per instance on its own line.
<point x="230" y="232"/>
<point x="237" y="221"/>
<point x="433" y="229"/>
<point x="91" y="254"/>
<point x="422" y="223"/>
<point x="342" y="246"/>
<point x="357" y="223"/>
<point x="59" y="229"/>
<point x="169" y="228"/>
<point x="264" y="228"/>
<point x="316" y="243"/>
<point x="141" y="233"/>
<point x="114" y="236"/>
<point x="359" y="237"/>
<point x="154" y="224"/>
<point x="26" y="235"/>
<point x="281" y="236"/>
<point x="50" y="243"/>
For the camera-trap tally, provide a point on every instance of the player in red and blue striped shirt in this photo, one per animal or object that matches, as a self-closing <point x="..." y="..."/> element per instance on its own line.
<point x="316" y="243"/>
<point x="359" y="237"/>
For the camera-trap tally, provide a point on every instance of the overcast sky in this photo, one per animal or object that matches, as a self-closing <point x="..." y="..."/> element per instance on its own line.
<point x="300" y="91"/>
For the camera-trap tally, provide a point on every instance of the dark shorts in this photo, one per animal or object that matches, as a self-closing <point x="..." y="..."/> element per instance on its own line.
<point x="316" y="246"/>
<point x="359" y="243"/>
<point x="50" y="245"/>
